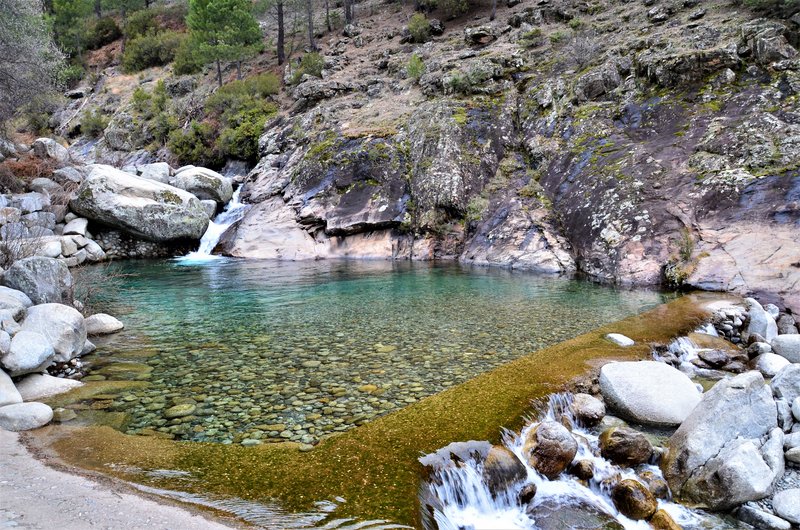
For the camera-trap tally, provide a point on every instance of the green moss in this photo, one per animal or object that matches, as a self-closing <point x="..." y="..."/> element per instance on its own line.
<point x="374" y="467"/>
<point x="323" y="151"/>
<point x="460" y="115"/>
<point x="170" y="197"/>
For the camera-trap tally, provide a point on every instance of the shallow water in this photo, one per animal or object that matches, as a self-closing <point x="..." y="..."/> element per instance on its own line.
<point x="269" y="351"/>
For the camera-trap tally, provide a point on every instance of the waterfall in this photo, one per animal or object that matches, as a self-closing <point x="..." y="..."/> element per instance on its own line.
<point x="232" y="213"/>
<point x="464" y="501"/>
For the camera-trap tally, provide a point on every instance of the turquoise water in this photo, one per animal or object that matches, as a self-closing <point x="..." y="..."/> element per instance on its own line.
<point x="253" y="352"/>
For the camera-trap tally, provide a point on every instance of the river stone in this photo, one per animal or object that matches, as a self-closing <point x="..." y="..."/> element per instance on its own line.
<point x="587" y="409"/>
<point x="661" y="520"/>
<point x="43" y="280"/>
<point x="210" y="207"/>
<point x="29" y="352"/>
<point x="21" y="297"/>
<point x="62" y="325"/>
<point x="550" y="448"/>
<point x="102" y="324"/>
<point x="140" y="207"/>
<point x="648" y="392"/>
<point x="25" y="416"/>
<point x="620" y="339"/>
<point x="736" y="412"/>
<point x="5" y="342"/>
<point x="625" y="447"/>
<point x="787" y="346"/>
<point x="761" y="322"/>
<point x="793" y="455"/>
<point x="204" y="184"/>
<point x="769" y="364"/>
<point x="76" y="227"/>
<point x="179" y="411"/>
<point x="787" y="505"/>
<point x="760" y="519"/>
<point x="39" y="386"/>
<point x="634" y="500"/>
<point x="158" y="171"/>
<point x="554" y="514"/>
<point x="582" y="469"/>
<point x="786" y="383"/>
<point x="655" y="483"/>
<point x="8" y="392"/>
<point x="502" y="468"/>
<point x="796" y="408"/>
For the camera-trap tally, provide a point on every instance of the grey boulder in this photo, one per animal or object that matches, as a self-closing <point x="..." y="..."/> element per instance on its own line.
<point x="204" y="183"/>
<point x="9" y="394"/>
<point x="29" y="352"/>
<point x="40" y="386"/>
<point x="158" y="171"/>
<point x="769" y="364"/>
<point x="25" y="416"/>
<point x="787" y="505"/>
<point x="140" y="207"/>
<point x="786" y="383"/>
<point x="648" y="392"/>
<point x="761" y="322"/>
<point x="43" y="280"/>
<point x="63" y="327"/>
<point x="787" y="346"/>
<point x="49" y="148"/>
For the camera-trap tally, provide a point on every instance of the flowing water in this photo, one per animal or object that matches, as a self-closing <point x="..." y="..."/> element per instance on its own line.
<point x="258" y="351"/>
<point x="232" y="213"/>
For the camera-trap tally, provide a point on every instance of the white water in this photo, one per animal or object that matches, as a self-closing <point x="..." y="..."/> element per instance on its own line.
<point x="232" y="213"/>
<point x="467" y="503"/>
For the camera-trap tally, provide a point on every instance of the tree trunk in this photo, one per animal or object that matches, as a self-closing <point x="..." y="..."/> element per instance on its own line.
<point x="328" y="15"/>
<point x="281" y="37"/>
<point x="494" y="9"/>
<point x="219" y="74"/>
<point x="98" y="8"/>
<point x="348" y="11"/>
<point x="310" y="15"/>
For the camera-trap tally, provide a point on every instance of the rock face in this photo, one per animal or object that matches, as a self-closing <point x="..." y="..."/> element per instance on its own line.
<point x="143" y="208"/>
<point x="204" y="184"/>
<point x="648" y="392"/>
<point x="43" y="280"/>
<point x="61" y="325"/>
<point x="716" y="457"/>
<point x="29" y="352"/>
<point x="25" y="416"/>
<point x="550" y="448"/>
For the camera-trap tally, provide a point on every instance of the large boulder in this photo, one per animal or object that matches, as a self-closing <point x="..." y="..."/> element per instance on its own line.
<point x="634" y="500"/>
<point x="550" y="448"/>
<point x="625" y="447"/>
<point x="648" y="392"/>
<point x="143" y="208"/>
<point x="14" y="302"/>
<point x="43" y="280"/>
<point x="721" y="434"/>
<point x="9" y="394"/>
<point x="158" y="171"/>
<point x="786" y="383"/>
<point x="39" y="386"/>
<point x="787" y="346"/>
<point x="49" y="148"/>
<point x="102" y="324"/>
<point x="25" y="416"/>
<point x="760" y="321"/>
<point x="63" y="327"/>
<point x="787" y="505"/>
<point x="204" y="183"/>
<point x="29" y="352"/>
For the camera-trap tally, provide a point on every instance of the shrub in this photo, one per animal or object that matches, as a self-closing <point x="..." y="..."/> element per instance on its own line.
<point x="311" y="64"/>
<point x="575" y="23"/>
<point x="151" y="50"/>
<point x="93" y="124"/>
<point x="187" y="60"/>
<point x="582" y="48"/>
<point x="37" y="115"/>
<point x="264" y="85"/>
<point x="103" y="31"/>
<point x="533" y="38"/>
<point x="240" y="139"/>
<point x="419" y="27"/>
<point x="140" y="23"/>
<point x="415" y="68"/>
<point x="161" y="125"/>
<point x="195" y="145"/>
<point x="28" y="167"/>
<point x="141" y="100"/>
<point x="558" y="36"/>
<point x="70" y="75"/>
<point x="458" y="83"/>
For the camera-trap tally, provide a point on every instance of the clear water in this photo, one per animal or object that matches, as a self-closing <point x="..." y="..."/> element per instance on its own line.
<point x="262" y="351"/>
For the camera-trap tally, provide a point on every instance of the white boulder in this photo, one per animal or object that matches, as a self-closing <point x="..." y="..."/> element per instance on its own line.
<point x="787" y="346"/>
<point x="39" y="386"/>
<point x="63" y="326"/>
<point x="8" y="392"/>
<point x="102" y="324"/>
<point x="620" y="339"/>
<point x="29" y="352"/>
<point x="787" y="504"/>
<point x="25" y="416"/>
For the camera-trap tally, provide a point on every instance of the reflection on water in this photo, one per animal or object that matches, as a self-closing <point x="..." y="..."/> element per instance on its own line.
<point x="251" y="352"/>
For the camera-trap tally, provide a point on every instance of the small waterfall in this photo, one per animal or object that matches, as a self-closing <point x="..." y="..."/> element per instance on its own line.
<point x="232" y="213"/>
<point x="464" y="502"/>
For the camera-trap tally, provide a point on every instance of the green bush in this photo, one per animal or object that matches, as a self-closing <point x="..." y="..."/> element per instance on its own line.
<point x="93" y="124"/>
<point x="240" y="139"/>
<point x="195" y="145"/>
<point x="458" y="83"/>
<point x="187" y="60"/>
<point x="415" y="68"/>
<point x="103" y="31"/>
<point x="161" y="125"/>
<point x="533" y="38"/>
<point x="311" y="64"/>
<point x="71" y="75"/>
<point x="419" y="27"/>
<point x="140" y="23"/>
<point x="558" y="36"/>
<point x="141" y="100"/>
<point x="151" y="50"/>
<point x="264" y="85"/>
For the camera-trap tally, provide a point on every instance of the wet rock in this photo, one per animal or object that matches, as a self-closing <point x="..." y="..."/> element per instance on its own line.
<point x="714" y="358"/>
<point x="502" y="468"/>
<point x="786" y="505"/>
<point x="29" y="352"/>
<point x="655" y="483"/>
<point x="62" y="325"/>
<point x="526" y="494"/>
<point x="769" y="364"/>
<point x="625" y="447"/>
<point x="648" y="392"/>
<point x="203" y="183"/>
<point x="179" y="411"/>
<point x="582" y="469"/>
<point x="102" y="324"/>
<point x="661" y="520"/>
<point x="588" y="409"/>
<point x="9" y="394"/>
<point x="758" y="518"/>
<point x="140" y="207"/>
<point x="43" y="280"/>
<point x="550" y="448"/>
<point x="40" y="386"/>
<point x="25" y="416"/>
<point x="557" y="515"/>
<point x="787" y="346"/>
<point x="634" y="500"/>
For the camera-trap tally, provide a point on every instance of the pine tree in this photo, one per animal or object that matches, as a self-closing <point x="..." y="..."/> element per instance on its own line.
<point x="223" y="30"/>
<point x="69" y="25"/>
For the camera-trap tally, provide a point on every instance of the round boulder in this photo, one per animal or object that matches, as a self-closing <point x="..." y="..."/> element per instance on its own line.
<point x="625" y="447"/>
<point x="634" y="500"/>
<point x="9" y="394"/>
<point x="787" y="346"/>
<point x="43" y="280"/>
<point x="102" y="324"/>
<point x="648" y="392"/>
<point x="25" y="416"/>
<point x="62" y="325"/>
<point x="204" y="183"/>
<point x="41" y="386"/>
<point x="661" y="520"/>
<point x="587" y="409"/>
<point x="550" y="448"/>
<point x="502" y="468"/>
<point x="29" y="352"/>
<point x="769" y="364"/>
<point x="787" y="505"/>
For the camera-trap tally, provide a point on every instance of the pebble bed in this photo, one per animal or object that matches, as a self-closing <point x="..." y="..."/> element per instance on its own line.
<point x="255" y="352"/>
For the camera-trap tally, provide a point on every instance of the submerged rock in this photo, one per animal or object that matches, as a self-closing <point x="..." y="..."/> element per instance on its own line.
<point x="550" y="448"/>
<point x="554" y="514"/>
<point x="648" y="392"/>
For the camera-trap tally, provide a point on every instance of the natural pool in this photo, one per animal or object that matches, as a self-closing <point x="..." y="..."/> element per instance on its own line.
<point x="251" y="352"/>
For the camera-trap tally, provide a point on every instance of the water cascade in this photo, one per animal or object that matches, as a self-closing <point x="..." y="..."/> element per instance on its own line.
<point x="232" y="213"/>
<point x="463" y="501"/>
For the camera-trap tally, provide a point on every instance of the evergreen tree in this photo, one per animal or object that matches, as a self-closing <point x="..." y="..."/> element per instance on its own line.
<point x="69" y="24"/>
<point x="223" y="30"/>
